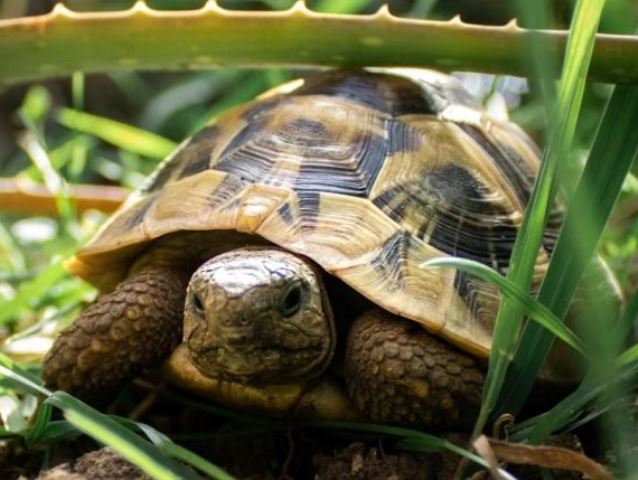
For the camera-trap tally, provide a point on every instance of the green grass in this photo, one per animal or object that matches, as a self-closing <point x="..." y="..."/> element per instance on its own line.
<point x="156" y="459"/>
<point x="563" y="117"/>
<point x="76" y="137"/>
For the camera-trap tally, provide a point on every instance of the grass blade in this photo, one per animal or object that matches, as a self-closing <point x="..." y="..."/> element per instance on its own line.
<point x="52" y="432"/>
<point x="129" y="445"/>
<point x="179" y="452"/>
<point x="24" y="380"/>
<point x="610" y="158"/>
<point x="102" y="428"/>
<point x="38" y="154"/>
<point x="32" y="289"/>
<point x="535" y="310"/>
<point x="572" y="406"/>
<point x="42" y="419"/>
<point x="119" y="134"/>
<point x="411" y="438"/>
<point x="526" y="247"/>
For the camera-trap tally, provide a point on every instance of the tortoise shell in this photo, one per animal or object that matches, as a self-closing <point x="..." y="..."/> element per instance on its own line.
<point x="369" y="174"/>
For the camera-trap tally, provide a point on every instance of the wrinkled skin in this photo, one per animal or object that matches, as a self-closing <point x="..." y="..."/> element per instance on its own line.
<point x="258" y="316"/>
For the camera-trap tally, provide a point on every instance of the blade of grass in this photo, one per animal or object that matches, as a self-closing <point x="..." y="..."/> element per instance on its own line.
<point x="10" y="255"/>
<point x="179" y="452"/>
<point x="38" y="154"/>
<point x="196" y="90"/>
<point x="413" y="440"/>
<point x="52" y="432"/>
<point x="614" y="148"/>
<point x="119" y="438"/>
<point x="509" y="319"/>
<point x="535" y="310"/>
<point x="251" y="86"/>
<point x="105" y="429"/>
<point x="39" y="424"/>
<point x="32" y="289"/>
<point x="625" y="326"/>
<point x="119" y="134"/>
<point x="565" y="413"/>
<point x="411" y="437"/>
<point x="570" y="408"/>
<point x="77" y="90"/>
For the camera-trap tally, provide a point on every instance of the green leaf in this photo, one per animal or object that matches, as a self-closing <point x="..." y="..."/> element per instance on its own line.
<point x="536" y="311"/>
<point x="119" y="438"/>
<point x="36" y="106"/>
<point x="42" y="419"/>
<point x="562" y="415"/>
<point x="614" y="148"/>
<point x="572" y="407"/>
<point x="119" y="134"/>
<point x="53" y="431"/>
<point x="411" y="438"/>
<point x="524" y="255"/>
<point x="176" y="451"/>
<point x="34" y="147"/>
<point x="107" y="430"/>
<point x="23" y="380"/>
<point x="30" y="290"/>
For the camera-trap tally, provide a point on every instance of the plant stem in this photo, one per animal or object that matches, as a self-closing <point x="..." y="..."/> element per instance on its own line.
<point x="62" y="42"/>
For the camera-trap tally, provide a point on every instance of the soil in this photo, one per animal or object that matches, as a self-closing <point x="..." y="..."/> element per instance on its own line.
<point x="356" y="461"/>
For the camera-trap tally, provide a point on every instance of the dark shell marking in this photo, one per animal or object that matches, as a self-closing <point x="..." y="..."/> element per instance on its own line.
<point x="453" y="214"/>
<point x="188" y="160"/>
<point x="368" y="174"/>
<point x="392" y="95"/>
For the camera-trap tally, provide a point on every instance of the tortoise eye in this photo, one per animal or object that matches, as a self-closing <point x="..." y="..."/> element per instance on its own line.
<point x="197" y="304"/>
<point x="291" y="300"/>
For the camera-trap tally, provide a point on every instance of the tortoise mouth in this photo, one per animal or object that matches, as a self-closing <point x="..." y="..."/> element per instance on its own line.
<point x="257" y="364"/>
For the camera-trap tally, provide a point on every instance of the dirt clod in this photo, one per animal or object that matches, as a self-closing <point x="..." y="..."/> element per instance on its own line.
<point x="356" y="462"/>
<point x="103" y="464"/>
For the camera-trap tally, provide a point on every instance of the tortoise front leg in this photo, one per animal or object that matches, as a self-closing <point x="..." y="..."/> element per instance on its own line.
<point x="134" y="327"/>
<point x="397" y="372"/>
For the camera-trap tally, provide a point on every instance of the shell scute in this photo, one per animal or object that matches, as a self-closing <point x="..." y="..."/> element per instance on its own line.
<point x="311" y="145"/>
<point x="196" y="158"/>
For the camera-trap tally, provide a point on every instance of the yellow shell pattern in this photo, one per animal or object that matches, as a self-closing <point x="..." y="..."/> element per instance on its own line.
<point x="369" y="174"/>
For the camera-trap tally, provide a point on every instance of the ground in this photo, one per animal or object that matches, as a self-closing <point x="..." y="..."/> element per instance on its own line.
<point x="247" y="448"/>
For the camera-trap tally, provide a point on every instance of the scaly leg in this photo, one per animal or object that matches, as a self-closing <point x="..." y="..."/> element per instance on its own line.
<point x="397" y="372"/>
<point x="132" y="328"/>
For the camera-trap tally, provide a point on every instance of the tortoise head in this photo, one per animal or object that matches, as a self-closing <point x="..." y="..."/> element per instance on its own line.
<point x="258" y="316"/>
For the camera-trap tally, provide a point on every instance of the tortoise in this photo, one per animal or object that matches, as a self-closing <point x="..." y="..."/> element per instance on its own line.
<point x="273" y="261"/>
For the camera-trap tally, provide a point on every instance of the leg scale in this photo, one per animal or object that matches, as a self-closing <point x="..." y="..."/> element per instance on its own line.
<point x="132" y="328"/>
<point x="397" y="372"/>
